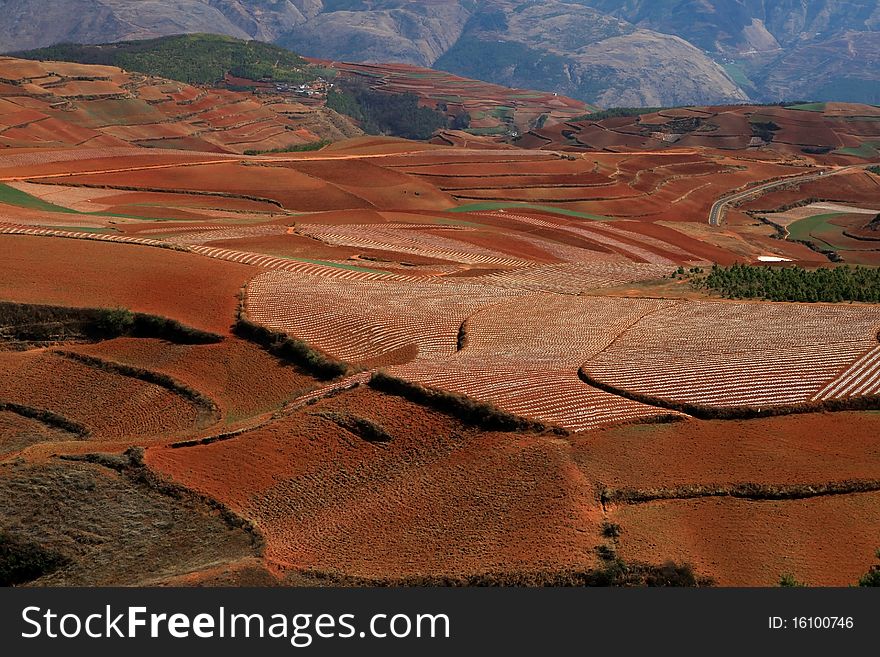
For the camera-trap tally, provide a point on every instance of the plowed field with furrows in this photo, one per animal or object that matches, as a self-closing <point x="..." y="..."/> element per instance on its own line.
<point x="522" y="355"/>
<point x="408" y="241"/>
<point x="737" y="354"/>
<point x="218" y="233"/>
<point x="861" y="378"/>
<point x="341" y="272"/>
<point x="439" y="498"/>
<point x="551" y="396"/>
<point x="243" y="379"/>
<point x="601" y="237"/>
<point x="11" y="229"/>
<point x="358" y="320"/>
<point x="18" y="432"/>
<point x="110" y="405"/>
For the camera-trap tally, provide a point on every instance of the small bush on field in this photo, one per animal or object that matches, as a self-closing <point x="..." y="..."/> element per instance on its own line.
<point x="788" y="581"/>
<point x="610" y="529"/>
<point x="672" y="574"/>
<point x="113" y="323"/>
<point x="290" y="349"/>
<point x="872" y="577"/>
<point x="359" y="426"/>
<point x="470" y="411"/>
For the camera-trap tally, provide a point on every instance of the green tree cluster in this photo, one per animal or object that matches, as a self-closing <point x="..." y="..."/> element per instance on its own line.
<point x="386" y="114"/>
<point x="828" y="284"/>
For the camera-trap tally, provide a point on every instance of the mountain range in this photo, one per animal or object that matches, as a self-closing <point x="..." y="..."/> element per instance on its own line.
<point x="608" y="52"/>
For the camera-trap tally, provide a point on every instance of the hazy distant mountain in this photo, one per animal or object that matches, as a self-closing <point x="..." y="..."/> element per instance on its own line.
<point x="613" y="52"/>
<point x="816" y="49"/>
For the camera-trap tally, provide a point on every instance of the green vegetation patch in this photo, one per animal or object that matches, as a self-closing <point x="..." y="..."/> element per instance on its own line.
<point x="808" y="107"/>
<point x="494" y="130"/>
<point x="298" y="148"/>
<point x="615" y="112"/>
<point x="488" y="206"/>
<point x="803" y="229"/>
<point x="737" y="73"/>
<point x="867" y="150"/>
<point x="827" y="284"/>
<point x="192" y="58"/>
<point x="381" y="113"/>
<point x="12" y="196"/>
<point x="335" y="265"/>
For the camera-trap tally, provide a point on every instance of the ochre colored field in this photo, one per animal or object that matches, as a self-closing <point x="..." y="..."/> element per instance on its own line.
<point x="438" y="500"/>
<point x="92" y="274"/>
<point x="826" y="541"/>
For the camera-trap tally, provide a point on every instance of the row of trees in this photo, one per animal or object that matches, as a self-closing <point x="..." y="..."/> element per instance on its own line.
<point x="829" y="284"/>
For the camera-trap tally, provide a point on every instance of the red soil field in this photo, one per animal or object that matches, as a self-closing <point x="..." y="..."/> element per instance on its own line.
<point x="739" y="128"/>
<point x="798" y="449"/>
<point x="354" y="250"/>
<point x="825" y="541"/>
<point x="18" y="432"/>
<point x="424" y="504"/>
<point x="99" y="274"/>
<point x="110" y="405"/>
<point x="759" y="354"/>
<point x="240" y="377"/>
<point x="107" y="102"/>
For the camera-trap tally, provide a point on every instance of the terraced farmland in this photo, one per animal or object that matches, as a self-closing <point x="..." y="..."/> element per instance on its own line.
<point x="527" y="362"/>
<point x="748" y="355"/>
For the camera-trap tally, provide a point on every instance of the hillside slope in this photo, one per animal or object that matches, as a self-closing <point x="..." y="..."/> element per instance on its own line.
<point x="609" y="52"/>
<point x="818" y="49"/>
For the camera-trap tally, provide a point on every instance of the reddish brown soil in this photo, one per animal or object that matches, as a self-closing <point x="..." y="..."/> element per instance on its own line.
<point x="195" y="290"/>
<point x="856" y="187"/>
<point x="438" y="499"/>
<point x="825" y="541"/>
<point x="243" y="379"/>
<point x="798" y="449"/>
<point x="111" y="406"/>
<point x="699" y="248"/>
<point x="18" y="432"/>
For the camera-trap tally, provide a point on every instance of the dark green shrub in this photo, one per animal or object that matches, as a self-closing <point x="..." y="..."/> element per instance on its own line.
<point x="788" y="581"/>
<point x="872" y="577"/>
<point x="290" y="349"/>
<point x="359" y="426"/>
<point x="470" y="411"/>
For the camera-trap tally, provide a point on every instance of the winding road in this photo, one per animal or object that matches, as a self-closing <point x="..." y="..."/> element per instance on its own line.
<point x="719" y="208"/>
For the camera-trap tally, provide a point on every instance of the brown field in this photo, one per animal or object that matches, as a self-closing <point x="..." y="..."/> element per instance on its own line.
<point x="547" y="370"/>
<point x="330" y="519"/>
